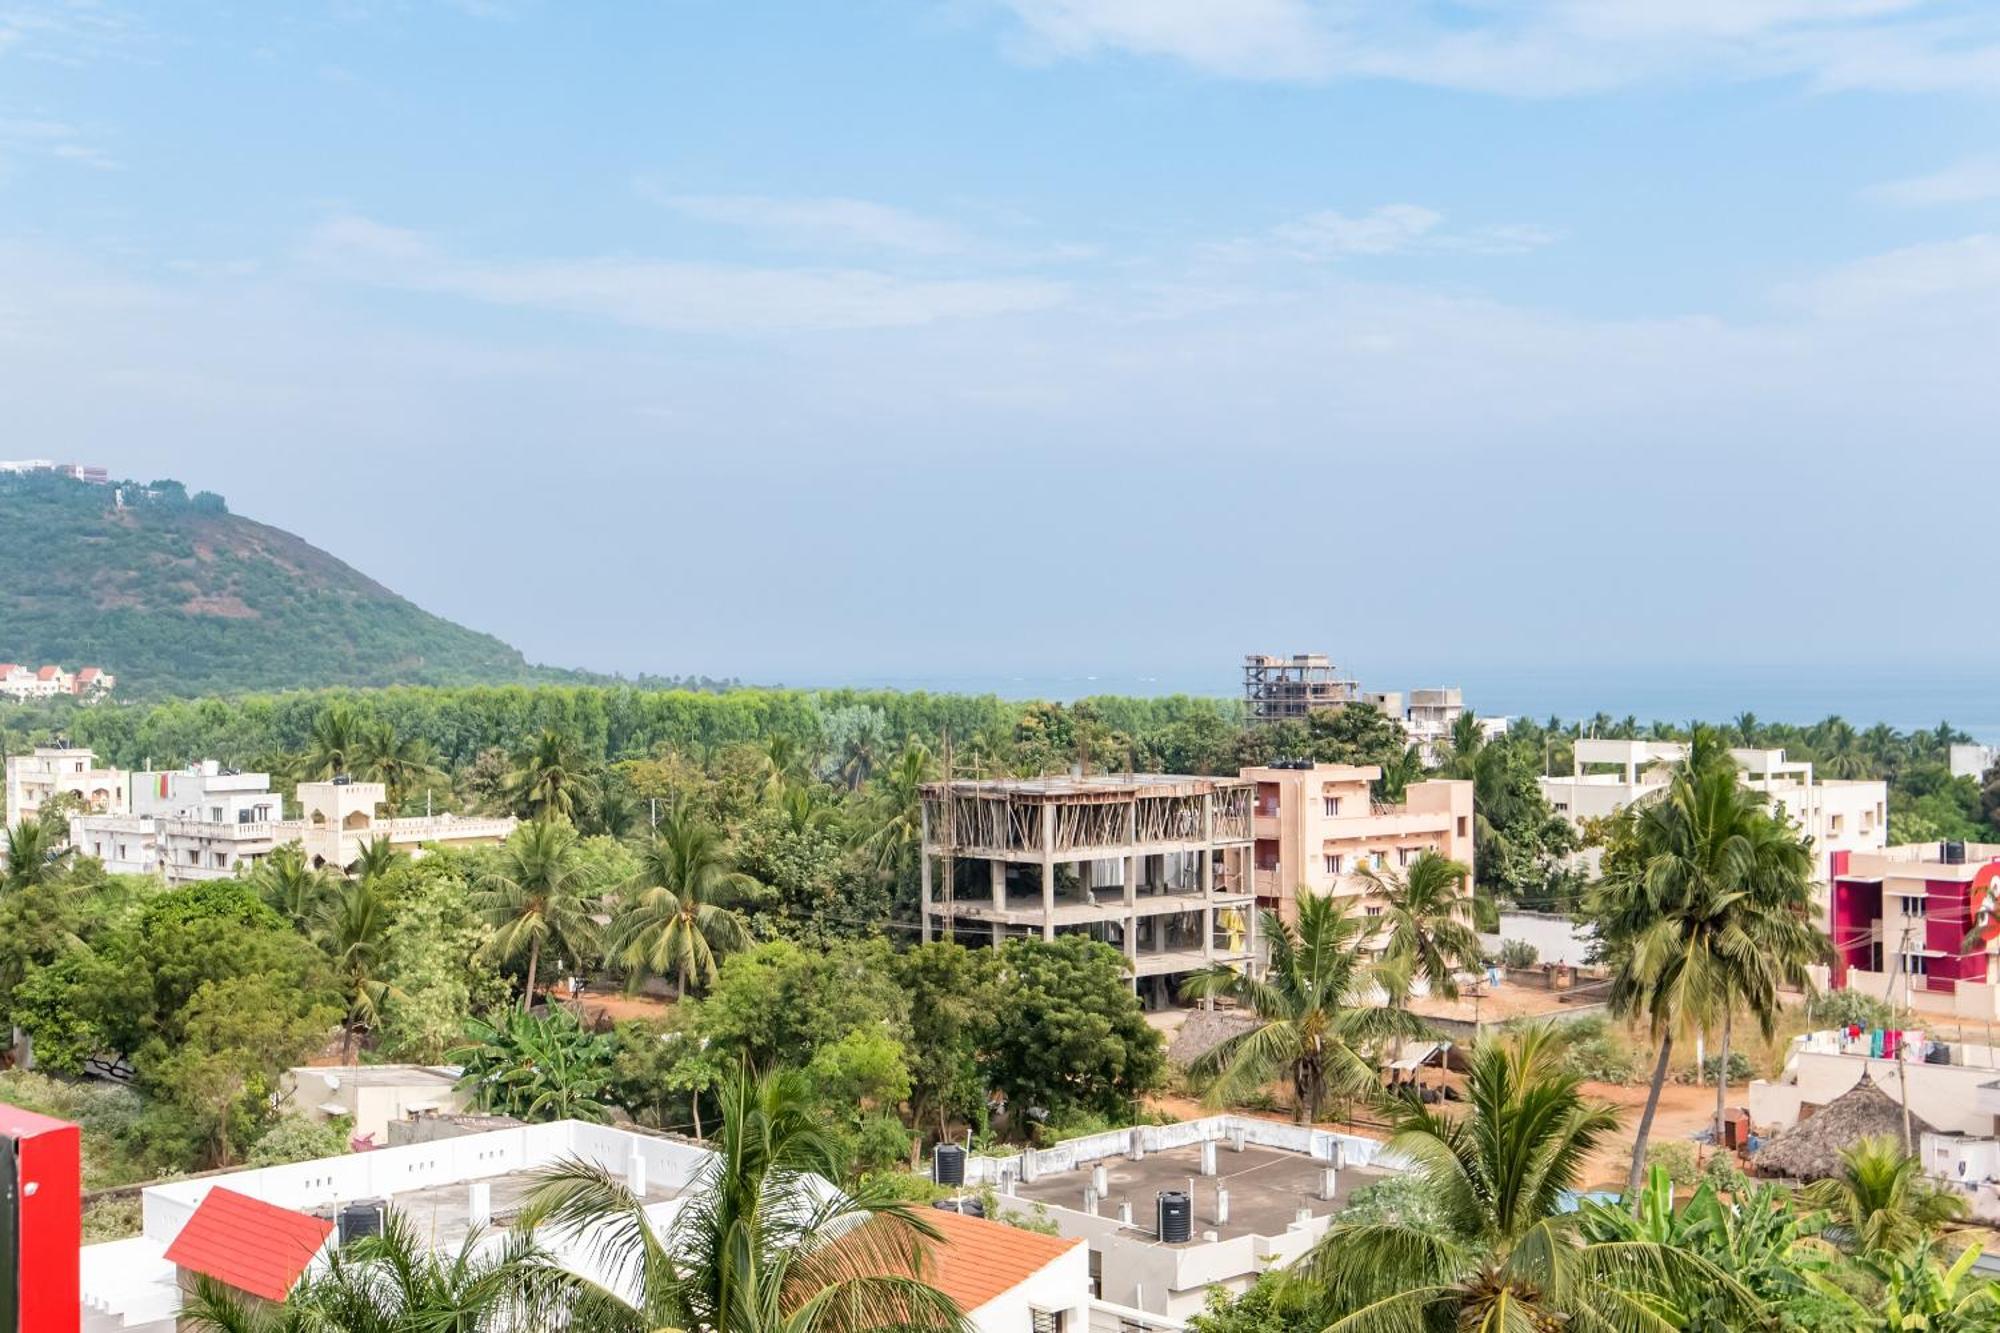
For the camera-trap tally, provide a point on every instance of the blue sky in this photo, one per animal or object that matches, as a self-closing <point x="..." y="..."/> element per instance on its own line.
<point x="957" y="338"/>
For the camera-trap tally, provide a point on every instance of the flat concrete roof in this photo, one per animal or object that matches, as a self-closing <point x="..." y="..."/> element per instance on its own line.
<point x="383" y="1076"/>
<point x="442" y="1214"/>
<point x="1090" y="784"/>
<point x="1266" y="1188"/>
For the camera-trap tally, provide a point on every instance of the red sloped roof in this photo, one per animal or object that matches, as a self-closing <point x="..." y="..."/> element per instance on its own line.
<point x="89" y="673"/>
<point x="979" y="1259"/>
<point x="248" y="1244"/>
<point x="47" y="673"/>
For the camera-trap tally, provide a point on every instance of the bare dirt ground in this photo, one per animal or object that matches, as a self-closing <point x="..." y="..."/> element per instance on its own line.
<point x="617" y="1006"/>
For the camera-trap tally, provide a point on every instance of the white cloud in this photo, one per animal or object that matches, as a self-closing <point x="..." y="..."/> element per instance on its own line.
<point x="1969" y="182"/>
<point x="815" y="221"/>
<point x="1540" y="48"/>
<point x="1943" y="278"/>
<point x="1386" y="230"/>
<point x="55" y="139"/>
<point x="668" y="295"/>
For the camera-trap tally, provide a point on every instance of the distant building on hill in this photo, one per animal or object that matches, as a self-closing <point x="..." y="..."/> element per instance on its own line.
<point x="86" y="472"/>
<point x="48" y="682"/>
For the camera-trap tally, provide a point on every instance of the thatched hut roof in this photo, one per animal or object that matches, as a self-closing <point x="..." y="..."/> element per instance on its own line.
<point x="1810" y="1150"/>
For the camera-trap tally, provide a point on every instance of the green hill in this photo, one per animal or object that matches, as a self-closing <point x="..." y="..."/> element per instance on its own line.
<point x="175" y="595"/>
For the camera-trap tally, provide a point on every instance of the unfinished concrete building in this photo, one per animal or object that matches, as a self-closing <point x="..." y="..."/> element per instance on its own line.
<point x="1289" y="689"/>
<point x="1157" y="866"/>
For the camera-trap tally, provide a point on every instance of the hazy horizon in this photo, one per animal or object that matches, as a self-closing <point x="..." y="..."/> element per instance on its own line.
<point x="1639" y="351"/>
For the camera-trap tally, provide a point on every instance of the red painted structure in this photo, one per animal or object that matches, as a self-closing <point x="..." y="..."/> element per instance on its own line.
<point x="1953" y="908"/>
<point x="41" y="1223"/>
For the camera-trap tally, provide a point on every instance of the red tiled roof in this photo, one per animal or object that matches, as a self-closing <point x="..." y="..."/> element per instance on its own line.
<point x="248" y="1244"/>
<point x="979" y="1259"/>
<point x="89" y="673"/>
<point x="47" y="673"/>
<point x="9" y="668"/>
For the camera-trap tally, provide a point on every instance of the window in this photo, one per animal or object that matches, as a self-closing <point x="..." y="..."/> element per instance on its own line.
<point x="1562" y="808"/>
<point x="1833" y="824"/>
<point x="1333" y="864"/>
<point x="1913" y="906"/>
<point x="1462" y="821"/>
<point x="1916" y="964"/>
<point x="1048" y="1321"/>
<point x="1332" y="807"/>
<point x="1403" y="855"/>
<point x="1373" y="909"/>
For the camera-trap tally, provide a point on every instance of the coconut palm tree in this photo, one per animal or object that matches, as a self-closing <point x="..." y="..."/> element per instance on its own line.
<point x="550" y="778"/>
<point x="1320" y="1022"/>
<point x="1398" y="773"/>
<point x="289" y="885"/>
<point x="396" y="1282"/>
<point x="1881" y="1201"/>
<point x="672" y="922"/>
<point x="1704" y="909"/>
<point x="402" y="764"/>
<point x="36" y="854"/>
<point x="895" y="819"/>
<point x="378" y="857"/>
<point x="762" y="1243"/>
<point x="352" y="928"/>
<point x="335" y="744"/>
<point x="539" y="896"/>
<point x="1510" y="1254"/>
<point x="1426" y="911"/>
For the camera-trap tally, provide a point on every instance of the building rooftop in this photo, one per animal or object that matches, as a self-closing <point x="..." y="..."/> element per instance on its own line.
<point x="248" y="1244"/>
<point x="1267" y="1188"/>
<point x="979" y="1260"/>
<point x="383" y="1076"/>
<point x="1095" y="785"/>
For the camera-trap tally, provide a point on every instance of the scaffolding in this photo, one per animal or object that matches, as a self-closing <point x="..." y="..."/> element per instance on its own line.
<point x="1280" y="689"/>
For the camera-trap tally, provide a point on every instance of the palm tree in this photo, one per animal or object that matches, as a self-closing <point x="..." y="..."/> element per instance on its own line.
<point x="37" y="853"/>
<point x="762" y="1244"/>
<point x="352" y="927"/>
<point x="378" y="857"/>
<point x="895" y="829"/>
<point x="1425" y="908"/>
<point x="540" y="895"/>
<point x="1509" y="1255"/>
<point x="335" y="744"/>
<point x="396" y="1282"/>
<point x="672" y="923"/>
<point x="399" y="763"/>
<point x="1398" y="773"/>
<point x="549" y="779"/>
<point x="1881" y="1201"/>
<point x="289" y="885"/>
<point x="1319" y="1022"/>
<point x="1704" y="908"/>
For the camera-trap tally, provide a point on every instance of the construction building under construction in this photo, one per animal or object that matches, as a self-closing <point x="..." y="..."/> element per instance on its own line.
<point x="1155" y="865"/>
<point x="1288" y="689"/>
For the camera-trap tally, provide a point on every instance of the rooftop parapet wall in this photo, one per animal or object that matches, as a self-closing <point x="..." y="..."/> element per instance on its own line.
<point x="1319" y="1144"/>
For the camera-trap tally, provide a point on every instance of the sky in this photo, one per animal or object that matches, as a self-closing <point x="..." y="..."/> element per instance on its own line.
<point x="964" y="341"/>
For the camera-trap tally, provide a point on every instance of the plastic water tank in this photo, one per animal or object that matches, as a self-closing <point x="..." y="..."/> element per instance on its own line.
<point x="963" y="1207"/>
<point x="948" y="1165"/>
<point x="361" y="1218"/>
<point x="1176" y="1216"/>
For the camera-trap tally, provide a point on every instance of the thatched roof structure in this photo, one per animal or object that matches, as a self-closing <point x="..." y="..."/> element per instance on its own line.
<point x="1810" y="1150"/>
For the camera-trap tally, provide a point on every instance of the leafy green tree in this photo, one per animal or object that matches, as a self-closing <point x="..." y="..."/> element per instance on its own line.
<point x="293" y="1138"/>
<point x="674" y="919"/>
<point x="759" y="1245"/>
<point x="535" y="1067"/>
<point x="774" y="1006"/>
<point x="539" y="897"/>
<point x="352" y="927"/>
<point x="1881" y="1201"/>
<point x="1509" y="1254"/>
<point x="433" y="961"/>
<point x="1071" y="1034"/>
<point x="952" y="991"/>
<point x="821" y="888"/>
<point x="860" y="1080"/>
<point x="1319" y="1023"/>
<point x="1426" y="909"/>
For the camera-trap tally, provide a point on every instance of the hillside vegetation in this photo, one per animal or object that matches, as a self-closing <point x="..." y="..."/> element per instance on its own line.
<point x="174" y="594"/>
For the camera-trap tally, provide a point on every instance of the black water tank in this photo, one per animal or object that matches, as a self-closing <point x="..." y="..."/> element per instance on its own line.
<point x="1954" y="853"/>
<point x="948" y="1165"/>
<point x="1176" y="1216"/>
<point x="361" y="1218"/>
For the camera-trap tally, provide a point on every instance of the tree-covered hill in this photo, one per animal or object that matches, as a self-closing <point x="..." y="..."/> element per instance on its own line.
<point x="175" y="595"/>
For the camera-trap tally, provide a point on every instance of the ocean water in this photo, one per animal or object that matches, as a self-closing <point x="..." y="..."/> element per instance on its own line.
<point x="1904" y="701"/>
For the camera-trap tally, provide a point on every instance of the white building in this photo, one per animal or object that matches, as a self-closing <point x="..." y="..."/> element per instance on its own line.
<point x="1007" y="1280"/>
<point x="1257" y="1195"/>
<point x="373" y="1096"/>
<point x="1972" y="761"/>
<point x="35" y="778"/>
<point x="339" y="819"/>
<point x="19" y="683"/>
<point x="1839" y="816"/>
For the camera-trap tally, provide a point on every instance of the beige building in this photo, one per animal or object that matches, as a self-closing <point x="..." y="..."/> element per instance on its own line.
<point x="1155" y="865"/>
<point x="35" y="778"/>
<point x="199" y="822"/>
<point x="1317" y="825"/>
<point x="339" y="818"/>
<point x="373" y="1096"/>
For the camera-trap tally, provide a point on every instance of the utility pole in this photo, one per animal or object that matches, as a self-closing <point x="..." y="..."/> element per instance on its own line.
<point x="1902" y="1050"/>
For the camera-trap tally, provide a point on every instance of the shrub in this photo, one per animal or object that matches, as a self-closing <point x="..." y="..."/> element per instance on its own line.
<point x="1740" y="1068"/>
<point x="1400" y="1198"/>
<point x="1678" y="1159"/>
<point x="293" y="1138"/>
<point x="1838" y="1008"/>
<point x="1518" y="954"/>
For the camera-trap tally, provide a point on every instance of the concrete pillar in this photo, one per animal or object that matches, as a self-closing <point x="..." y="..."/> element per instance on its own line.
<point x="1125" y="1212"/>
<point x="1086" y="876"/>
<point x="1048" y="870"/>
<point x="1329" y="1182"/>
<point x="1208" y="1157"/>
<point x="1100" y="1180"/>
<point x="479" y="1203"/>
<point x="635" y="1175"/>
<point x="924" y="874"/>
<point x="1135" y="1143"/>
<point x="1132" y="864"/>
<point x="1090" y="1200"/>
<point x="1221" y="1205"/>
<point x="997" y="874"/>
